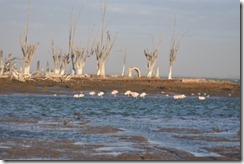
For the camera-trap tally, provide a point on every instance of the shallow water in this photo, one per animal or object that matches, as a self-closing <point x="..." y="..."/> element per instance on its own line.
<point x="162" y="119"/>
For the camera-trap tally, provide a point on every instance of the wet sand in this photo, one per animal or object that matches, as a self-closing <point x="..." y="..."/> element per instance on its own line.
<point x="41" y="149"/>
<point x="122" y="84"/>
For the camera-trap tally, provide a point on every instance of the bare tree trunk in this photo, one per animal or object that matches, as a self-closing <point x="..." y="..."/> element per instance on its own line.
<point x="38" y="67"/>
<point x="1" y="63"/>
<point x="101" y="68"/>
<point x="47" y="67"/>
<point x="65" y="62"/>
<point x="157" y="73"/>
<point x="27" y="69"/>
<point x="170" y="72"/>
<point x="150" y="70"/>
<point x="123" y="69"/>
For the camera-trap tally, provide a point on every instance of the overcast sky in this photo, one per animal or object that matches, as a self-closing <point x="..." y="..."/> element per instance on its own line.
<point x="211" y="47"/>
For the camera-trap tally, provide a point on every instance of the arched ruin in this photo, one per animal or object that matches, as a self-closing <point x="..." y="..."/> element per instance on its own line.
<point x="132" y="69"/>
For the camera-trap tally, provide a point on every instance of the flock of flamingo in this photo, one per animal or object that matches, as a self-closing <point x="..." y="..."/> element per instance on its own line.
<point x="136" y="95"/>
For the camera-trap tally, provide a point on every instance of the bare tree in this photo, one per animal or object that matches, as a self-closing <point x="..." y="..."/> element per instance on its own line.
<point x="175" y="45"/>
<point x="1" y="62"/>
<point x="123" y="70"/>
<point x="47" y="67"/>
<point x="7" y="64"/>
<point x="103" y="50"/>
<point x="57" y="59"/>
<point x="38" y="67"/>
<point x="152" y="58"/>
<point x="157" y="73"/>
<point x="81" y="54"/>
<point x="28" y="50"/>
<point x="64" y="62"/>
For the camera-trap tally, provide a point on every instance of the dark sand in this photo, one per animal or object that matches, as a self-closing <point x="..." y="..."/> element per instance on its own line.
<point x="148" y="85"/>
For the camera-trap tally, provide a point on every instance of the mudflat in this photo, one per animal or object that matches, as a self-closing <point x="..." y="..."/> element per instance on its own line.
<point x="41" y="85"/>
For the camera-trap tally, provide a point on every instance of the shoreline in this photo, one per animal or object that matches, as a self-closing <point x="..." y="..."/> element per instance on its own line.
<point x="187" y="86"/>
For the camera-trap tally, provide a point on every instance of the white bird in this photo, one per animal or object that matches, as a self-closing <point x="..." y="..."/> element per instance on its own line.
<point x="135" y="94"/>
<point x="127" y="93"/>
<point x="92" y="93"/>
<point x="201" y="98"/>
<point x="100" y="94"/>
<point x="162" y="92"/>
<point x="192" y="94"/>
<point x="78" y="95"/>
<point x="143" y="94"/>
<point x="114" y="92"/>
<point x="179" y="96"/>
<point x="55" y="95"/>
<point x="229" y="94"/>
<point x="81" y="95"/>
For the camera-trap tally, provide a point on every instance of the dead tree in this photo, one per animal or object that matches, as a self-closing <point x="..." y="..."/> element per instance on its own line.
<point x="64" y="62"/>
<point x="103" y="50"/>
<point x="152" y="58"/>
<point x="47" y="67"/>
<point x="38" y="67"/>
<point x="1" y="62"/>
<point x="7" y="64"/>
<point x="123" y="69"/>
<point x="79" y="55"/>
<point x="28" y="50"/>
<point x="175" y="45"/>
<point x="57" y="59"/>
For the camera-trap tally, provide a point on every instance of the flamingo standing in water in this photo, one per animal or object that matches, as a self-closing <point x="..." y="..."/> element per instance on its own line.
<point x="127" y="93"/>
<point x="100" y="94"/>
<point x="201" y="98"/>
<point x="92" y="93"/>
<point x="143" y="94"/>
<point x="114" y="92"/>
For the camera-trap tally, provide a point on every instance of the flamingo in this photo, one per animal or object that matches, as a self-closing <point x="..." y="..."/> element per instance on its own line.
<point x="100" y="94"/>
<point x="92" y="93"/>
<point x="78" y="95"/>
<point x="201" y="98"/>
<point x="143" y="94"/>
<point x="127" y="93"/>
<point x="135" y="94"/>
<point x="179" y="96"/>
<point x="114" y="92"/>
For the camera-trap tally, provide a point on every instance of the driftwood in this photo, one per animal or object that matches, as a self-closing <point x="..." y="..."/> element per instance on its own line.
<point x="132" y="69"/>
<point x="58" y="78"/>
<point x="20" y="75"/>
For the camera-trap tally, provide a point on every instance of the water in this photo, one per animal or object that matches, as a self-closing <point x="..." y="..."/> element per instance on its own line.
<point x="164" y="121"/>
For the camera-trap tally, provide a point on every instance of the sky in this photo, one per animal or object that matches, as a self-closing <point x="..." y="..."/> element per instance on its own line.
<point x="210" y="47"/>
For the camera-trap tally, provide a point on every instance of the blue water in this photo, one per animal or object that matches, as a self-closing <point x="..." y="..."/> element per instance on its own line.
<point x="144" y="117"/>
